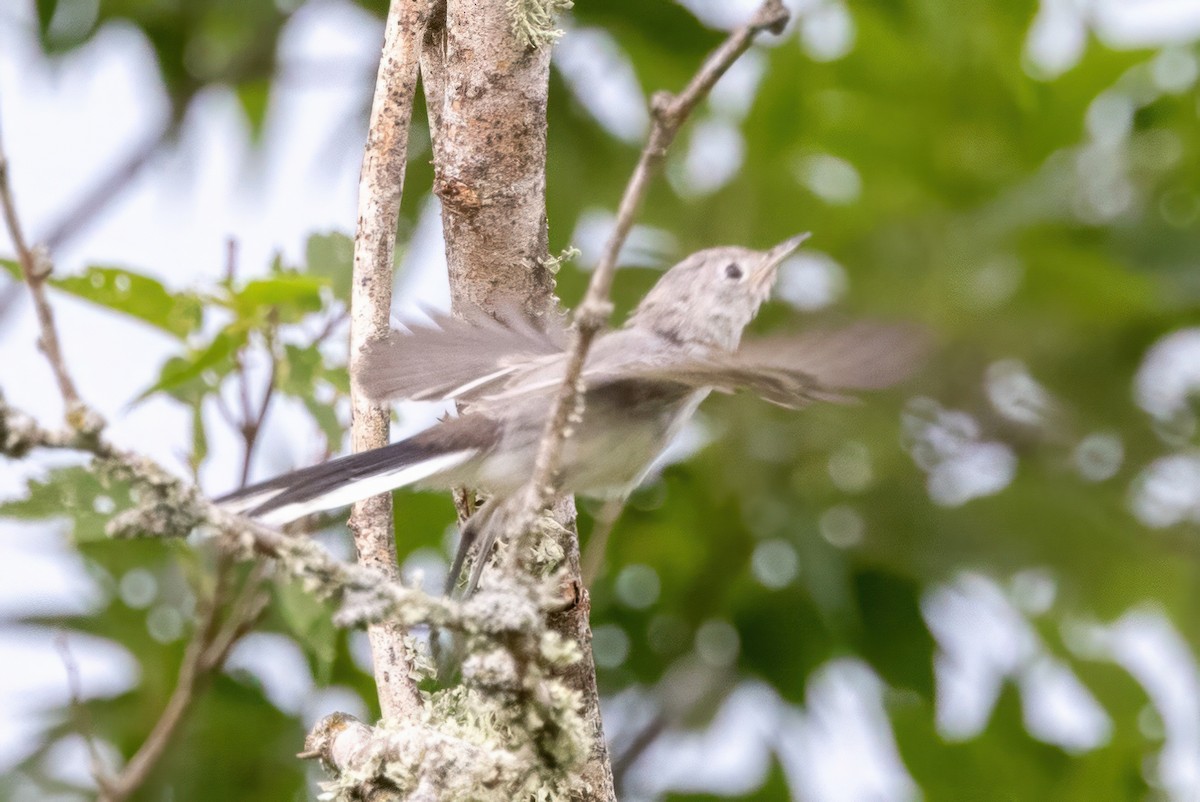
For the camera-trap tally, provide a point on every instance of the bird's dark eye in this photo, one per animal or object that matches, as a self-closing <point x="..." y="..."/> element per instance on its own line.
<point x="733" y="271"/>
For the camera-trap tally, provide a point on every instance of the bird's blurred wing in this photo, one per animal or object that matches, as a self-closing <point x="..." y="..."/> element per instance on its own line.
<point x="798" y="369"/>
<point x="608" y="360"/>
<point x="452" y="358"/>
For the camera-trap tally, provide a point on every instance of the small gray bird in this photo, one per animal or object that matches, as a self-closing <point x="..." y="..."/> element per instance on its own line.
<point x="642" y="382"/>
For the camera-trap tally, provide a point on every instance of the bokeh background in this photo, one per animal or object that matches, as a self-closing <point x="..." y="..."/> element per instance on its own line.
<point x="982" y="585"/>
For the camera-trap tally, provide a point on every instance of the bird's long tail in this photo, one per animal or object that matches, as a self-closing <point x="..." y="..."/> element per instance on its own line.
<point x="351" y="478"/>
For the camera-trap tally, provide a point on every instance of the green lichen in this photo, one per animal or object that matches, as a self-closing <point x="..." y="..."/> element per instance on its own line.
<point x="533" y="20"/>
<point x="555" y="263"/>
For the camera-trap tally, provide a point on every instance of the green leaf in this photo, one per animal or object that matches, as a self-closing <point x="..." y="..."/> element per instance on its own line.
<point x="297" y="371"/>
<point x="332" y="256"/>
<point x="74" y="493"/>
<point x="199" y="436"/>
<point x="327" y="421"/>
<point x="45" y="13"/>
<point x="300" y="372"/>
<point x="783" y="640"/>
<point x="895" y="640"/>
<point x="311" y="623"/>
<point x="337" y="377"/>
<point x="1006" y="763"/>
<point x="289" y="296"/>
<point x="254" y="97"/>
<point x="12" y="268"/>
<point x="183" y="376"/>
<point x="136" y="295"/>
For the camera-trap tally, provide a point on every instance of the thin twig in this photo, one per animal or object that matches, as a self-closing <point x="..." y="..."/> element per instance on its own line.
<point x="642" y="740"/>
<point x="79" y="711"/>
<point x="331" y="326"/>
<point x="272" y="378"/>
<point x="174" y="508"/>
<point x="268" y="393"/>
<point x="669" y="113"/>
<point x="231" y="260"/>
<point x="36" y="267"/>
<point x="244" y="612"/>
<point x="205" y="654"/>
<point x="211" y="641"/>
<point x="225" y="411"/>
<point x="239" y="363"/>
<point x="251" y="425"/>
<point x="593" y="556"/>
<point x="381" y="185"/>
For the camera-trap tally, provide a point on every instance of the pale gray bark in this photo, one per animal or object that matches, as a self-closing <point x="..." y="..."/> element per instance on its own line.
<point x="380" y="189"/>
<point x="487" y="96"/>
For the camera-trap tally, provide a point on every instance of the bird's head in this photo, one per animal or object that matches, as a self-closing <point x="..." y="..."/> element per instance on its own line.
<point x="711" y="296"/>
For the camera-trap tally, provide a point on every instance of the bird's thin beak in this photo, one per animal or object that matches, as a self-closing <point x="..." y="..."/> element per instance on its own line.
<point x="774" y="257"/>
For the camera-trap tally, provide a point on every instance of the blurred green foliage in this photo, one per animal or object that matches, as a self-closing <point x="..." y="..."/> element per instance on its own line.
<point x="1050" y="220"/>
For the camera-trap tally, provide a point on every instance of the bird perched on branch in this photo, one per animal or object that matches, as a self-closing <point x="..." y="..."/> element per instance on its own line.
<point x="641" y="383"/>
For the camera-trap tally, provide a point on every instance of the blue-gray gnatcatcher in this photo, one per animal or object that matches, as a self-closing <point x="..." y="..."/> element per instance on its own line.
<point x="642" y="382"/>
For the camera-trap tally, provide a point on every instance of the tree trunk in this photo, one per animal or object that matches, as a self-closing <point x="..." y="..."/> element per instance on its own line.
<point x="487" y="97"/>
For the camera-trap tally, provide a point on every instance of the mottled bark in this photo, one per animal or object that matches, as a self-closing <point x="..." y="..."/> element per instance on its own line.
<point x="487" y="97"/>
<point x="380" y="188"/>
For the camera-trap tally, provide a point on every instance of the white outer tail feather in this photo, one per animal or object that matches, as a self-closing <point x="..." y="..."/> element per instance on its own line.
<point x="354" y="491"/>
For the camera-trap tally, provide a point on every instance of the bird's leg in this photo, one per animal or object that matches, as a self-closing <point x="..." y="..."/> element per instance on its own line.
<point x="447" y="650"/>
<point x="499" y="525"/>
<point x="468" y="534"/>
<point x="490" y="534"/>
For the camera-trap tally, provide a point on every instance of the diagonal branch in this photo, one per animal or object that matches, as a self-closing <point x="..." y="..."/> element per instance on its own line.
<point x="204" y="656"/>
<point x="212" y="640"/>
<point x="36" y="268"/>
<point x="669" y="113"/>
<point x="380" y="189"/>
<point x="79" y="711"/>
<point x="170" y="507"/>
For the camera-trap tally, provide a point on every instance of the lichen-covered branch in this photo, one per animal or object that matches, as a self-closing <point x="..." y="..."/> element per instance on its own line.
<point x="487" y="94"/>
<point x="381" y="184"/>
<point x="465" y="761"/>
<point x="511" y="729"/>
<point x="211" y="641"/>
<point x="167" y="506"/>
<point x="513" y="699"/>
<point x="486" y="79"/>
<point x="669" y="114"/>
<point x="517" y="722"/>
